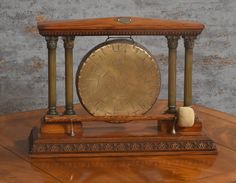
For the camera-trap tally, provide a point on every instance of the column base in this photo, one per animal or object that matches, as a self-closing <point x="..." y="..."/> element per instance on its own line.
<point x="52" y="111"/>
<point x="69" y="112"/>
<point x="171" y="110"/>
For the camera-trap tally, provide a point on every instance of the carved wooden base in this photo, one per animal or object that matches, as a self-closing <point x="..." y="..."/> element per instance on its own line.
<point x="55" y="145"/>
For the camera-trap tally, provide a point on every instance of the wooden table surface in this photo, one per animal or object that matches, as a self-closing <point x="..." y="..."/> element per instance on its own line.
<point x="16" y="166"/>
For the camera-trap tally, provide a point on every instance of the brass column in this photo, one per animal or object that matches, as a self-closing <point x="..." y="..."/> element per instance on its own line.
<point x="68" y="45"/>
<point x="52" y="45"/>
<point x="172" y="45"/>
<point x="188" y="44"/>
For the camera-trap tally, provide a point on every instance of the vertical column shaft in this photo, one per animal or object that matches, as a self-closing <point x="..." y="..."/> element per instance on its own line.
<point x="52" y="45"/>
<point x="172" y="45"/>
<point x="188" y="44"/>
<point x="68" y="45"/>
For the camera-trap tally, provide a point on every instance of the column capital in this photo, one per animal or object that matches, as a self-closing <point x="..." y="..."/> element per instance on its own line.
<point x="189" y="41"/>
<point x="172" y="41"/>
<point x="51" y="42"/>
<point x="68" y="41"/>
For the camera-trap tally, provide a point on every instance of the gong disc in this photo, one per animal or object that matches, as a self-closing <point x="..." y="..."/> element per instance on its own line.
<point x="118" y="77"/>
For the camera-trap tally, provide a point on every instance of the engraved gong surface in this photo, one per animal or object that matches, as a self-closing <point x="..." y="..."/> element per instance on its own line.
<point x="118" y="77"/>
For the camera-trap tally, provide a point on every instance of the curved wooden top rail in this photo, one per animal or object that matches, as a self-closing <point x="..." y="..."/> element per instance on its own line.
<point x="119" y="26"/>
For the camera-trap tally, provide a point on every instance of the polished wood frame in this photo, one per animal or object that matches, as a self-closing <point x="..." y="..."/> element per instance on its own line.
<point x="62" y="135"/>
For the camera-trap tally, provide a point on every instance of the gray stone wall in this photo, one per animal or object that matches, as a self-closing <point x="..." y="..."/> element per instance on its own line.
<point x="23" y="54"/>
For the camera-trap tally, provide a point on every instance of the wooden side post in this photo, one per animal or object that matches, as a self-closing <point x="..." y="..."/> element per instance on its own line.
<point x="69" y="45"/>
<point x="188" y="44"/>
<point x="172" y="45"/>
<point x="52" y="45"/>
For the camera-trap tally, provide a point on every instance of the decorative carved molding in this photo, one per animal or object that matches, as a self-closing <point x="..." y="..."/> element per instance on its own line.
<point x="172" y="41"/>
<point x="189" y="41"/>
<point x="68" y="41"/>
<point x="51" y="42"/>
<point x="113" y="147"/>
<point x="120" y="32"/>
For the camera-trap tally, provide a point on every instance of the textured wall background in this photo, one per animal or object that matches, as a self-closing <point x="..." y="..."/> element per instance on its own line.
<point x="23" y="56"/>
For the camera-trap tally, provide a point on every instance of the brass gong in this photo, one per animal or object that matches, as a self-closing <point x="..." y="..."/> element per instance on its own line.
<point x="118" y="77"/>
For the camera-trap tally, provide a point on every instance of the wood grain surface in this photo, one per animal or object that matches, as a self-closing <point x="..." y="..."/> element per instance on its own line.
<point x="119" y="26"/>
<point x="16" y="166"/>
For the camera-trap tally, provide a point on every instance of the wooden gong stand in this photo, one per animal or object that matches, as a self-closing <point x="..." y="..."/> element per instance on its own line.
<point x="65" y="135"/>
